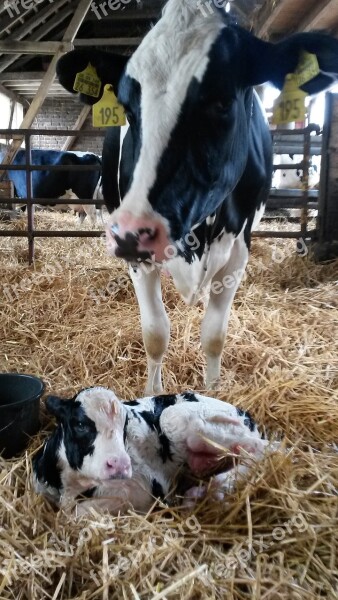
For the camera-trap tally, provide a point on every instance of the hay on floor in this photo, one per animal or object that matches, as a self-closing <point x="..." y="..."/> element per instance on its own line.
<point x="72" y="319"/>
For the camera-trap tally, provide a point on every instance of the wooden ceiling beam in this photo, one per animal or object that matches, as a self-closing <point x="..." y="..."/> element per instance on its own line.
<point x="268" y="14"/>
<point x="13" y="96"/>
<point x="38" y="34"/>
<point x="12" y="47"/>
<point x="69" y="35"/>
<point x="312" y="21"/>
<point x="78" y="125"/>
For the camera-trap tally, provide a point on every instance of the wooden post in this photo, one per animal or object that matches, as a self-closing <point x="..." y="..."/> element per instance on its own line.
<point x="326" y="244"/>
<point x="78" y="125"/>
<point x="48" y="79"/>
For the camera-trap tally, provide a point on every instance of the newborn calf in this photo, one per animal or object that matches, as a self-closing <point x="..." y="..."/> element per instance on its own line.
<point x="125" y="454"/>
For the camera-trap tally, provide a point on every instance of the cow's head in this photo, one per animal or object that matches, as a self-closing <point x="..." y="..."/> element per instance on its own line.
<point x="187" y="92"/>
<point x="91" y="428"/>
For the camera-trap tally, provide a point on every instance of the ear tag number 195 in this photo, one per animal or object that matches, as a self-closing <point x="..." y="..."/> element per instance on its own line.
<point x="108" y="112"/>
<point x="290" y="105"/>
<point x="88" y="82"/>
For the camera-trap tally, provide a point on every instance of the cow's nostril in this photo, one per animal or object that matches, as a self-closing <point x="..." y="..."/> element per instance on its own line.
<point x="111" y="464"/>
<point x="146" y="234"/>
<point x="114" y="228"/>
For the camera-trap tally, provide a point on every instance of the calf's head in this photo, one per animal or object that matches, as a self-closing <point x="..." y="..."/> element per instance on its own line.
<point x="91" y="428"/>
<point x="187" y="93"/>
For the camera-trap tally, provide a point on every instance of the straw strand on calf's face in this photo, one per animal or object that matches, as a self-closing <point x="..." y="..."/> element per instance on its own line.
<point x="122" y="455"/>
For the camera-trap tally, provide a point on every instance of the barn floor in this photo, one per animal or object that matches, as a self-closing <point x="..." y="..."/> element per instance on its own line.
<point x="73" y="320"/>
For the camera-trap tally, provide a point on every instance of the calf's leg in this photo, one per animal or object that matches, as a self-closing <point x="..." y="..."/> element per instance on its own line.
<point x="154" y="321"/>
<point x="215" y="323"/>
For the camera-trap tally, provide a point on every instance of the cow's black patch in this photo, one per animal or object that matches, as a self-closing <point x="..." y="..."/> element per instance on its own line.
<point x="132" y="403"/>
<point x="156" y="489"/>
<point x="79" y="433"/>
<point x="190" y="397"/>
<point x="248" y="420"/>
<point x="87" y="494"/>
<point x="135" y="414"/>
<point x="45" y="463"/>
<point x="152" y="418"/>
<point x="125" y="429"/>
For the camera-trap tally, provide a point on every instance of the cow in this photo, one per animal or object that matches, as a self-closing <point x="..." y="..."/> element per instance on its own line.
<point x="115" y="455"/>
<point x="187" y="180"/>
<point x="293" y="179"/>
<point x="82" y="210"/>
<point x="54" y="184"/>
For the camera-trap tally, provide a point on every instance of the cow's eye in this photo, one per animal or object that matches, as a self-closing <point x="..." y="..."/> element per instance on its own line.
<point x="221" y="107"/>
<point x="81" y="427"/>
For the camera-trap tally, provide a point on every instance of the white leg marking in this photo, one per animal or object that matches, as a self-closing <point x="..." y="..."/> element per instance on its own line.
<point x="215" y="323"/>
<point x="155" y="324"/>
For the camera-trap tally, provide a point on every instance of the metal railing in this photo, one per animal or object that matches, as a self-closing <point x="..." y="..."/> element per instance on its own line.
<point x="303" y="199"/>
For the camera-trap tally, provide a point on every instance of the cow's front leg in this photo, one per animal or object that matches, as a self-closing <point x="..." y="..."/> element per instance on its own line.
<point x="154" y="321"/>
<point x="215" y="322"/>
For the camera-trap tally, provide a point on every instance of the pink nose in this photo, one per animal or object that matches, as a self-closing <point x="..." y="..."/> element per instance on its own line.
<point x="138" y="238"/>
<point x="118" y="467"/>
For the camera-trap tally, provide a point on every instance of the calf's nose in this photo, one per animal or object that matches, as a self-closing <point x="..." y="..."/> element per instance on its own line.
<point x="138" y="238"/>
<point x="118" y="467"/>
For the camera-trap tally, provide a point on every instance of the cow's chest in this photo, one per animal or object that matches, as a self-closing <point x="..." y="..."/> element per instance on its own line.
<point x="193" y="280"/>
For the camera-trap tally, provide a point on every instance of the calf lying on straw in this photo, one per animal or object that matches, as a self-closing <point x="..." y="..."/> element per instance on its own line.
<point x="125" y="454"/>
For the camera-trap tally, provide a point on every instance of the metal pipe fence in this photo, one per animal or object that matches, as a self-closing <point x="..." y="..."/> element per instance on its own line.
<point x="303" y="199"/>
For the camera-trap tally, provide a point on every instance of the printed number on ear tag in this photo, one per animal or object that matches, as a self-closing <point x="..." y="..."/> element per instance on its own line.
<point x="108" y="112"/>
<point x="88" y="82"/>
<point x="290" y="105"/>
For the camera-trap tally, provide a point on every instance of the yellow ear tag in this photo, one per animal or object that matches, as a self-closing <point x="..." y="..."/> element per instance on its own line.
<point x="88" y="82"/>
<point x="307" y="68"/>
<point x="108" y="112"/>
<point x="290" y="104"/>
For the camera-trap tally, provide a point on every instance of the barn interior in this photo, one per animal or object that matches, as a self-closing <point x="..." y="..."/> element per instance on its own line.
<point x="69" y="315"/>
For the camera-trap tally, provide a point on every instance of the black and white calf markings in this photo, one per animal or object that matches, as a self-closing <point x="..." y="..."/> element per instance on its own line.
<point x="195" y="162"/>
<point x="123" y="454"/>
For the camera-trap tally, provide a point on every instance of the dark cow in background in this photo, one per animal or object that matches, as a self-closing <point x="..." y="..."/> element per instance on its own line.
<point x="194" y="167"/>
<point x="56" y="184"/>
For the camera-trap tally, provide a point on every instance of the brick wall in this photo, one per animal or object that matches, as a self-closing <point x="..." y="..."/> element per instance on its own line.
<point x="62" y="113"/>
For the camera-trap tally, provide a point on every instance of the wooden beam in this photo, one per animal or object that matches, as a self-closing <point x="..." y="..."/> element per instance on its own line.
<point x="42" y="15"/>
<point x="313" y="19"/>
<point x="120" y="41"/>
<point x="38" y="34"/>
<point x="49" y="77"/>
<point x="267" y="16"/>
<point x="78" y="125"/>
<point x="13" y="96"/>
<point x="12" y="47"/>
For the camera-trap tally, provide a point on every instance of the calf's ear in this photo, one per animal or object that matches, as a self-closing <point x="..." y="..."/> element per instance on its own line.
<point x="272" y="62"/>
<point x="109" y="68"/>
<point x="55" y="406"/>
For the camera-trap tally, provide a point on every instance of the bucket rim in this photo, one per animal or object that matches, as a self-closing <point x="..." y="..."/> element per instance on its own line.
<point x="30" y="398"/>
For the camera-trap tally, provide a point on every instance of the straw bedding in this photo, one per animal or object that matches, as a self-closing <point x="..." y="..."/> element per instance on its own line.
<point x="74" y="322"/>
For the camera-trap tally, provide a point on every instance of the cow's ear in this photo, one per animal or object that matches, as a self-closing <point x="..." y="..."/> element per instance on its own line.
<point x="272" y="62"/>
<point x="109" y="68"/>
<point x="56" y="406"/>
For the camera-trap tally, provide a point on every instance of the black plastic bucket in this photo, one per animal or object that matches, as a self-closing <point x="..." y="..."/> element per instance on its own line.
<point x="19" y="411"/>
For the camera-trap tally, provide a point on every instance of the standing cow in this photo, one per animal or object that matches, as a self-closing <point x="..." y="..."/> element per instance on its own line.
<point x="55" y="184"/>
<point x="193" y="170"/>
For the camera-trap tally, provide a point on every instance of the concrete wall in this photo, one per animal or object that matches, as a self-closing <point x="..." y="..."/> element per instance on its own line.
<point x="62" y="113"/>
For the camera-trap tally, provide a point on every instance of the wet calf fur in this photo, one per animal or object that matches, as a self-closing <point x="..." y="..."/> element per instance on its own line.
<point x="124" y="454"/>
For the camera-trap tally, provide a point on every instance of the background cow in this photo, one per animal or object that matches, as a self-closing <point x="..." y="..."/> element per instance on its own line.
<point x="54" y="184"/>
<point x="193" y="170"/>
<point x="131" y="452"/>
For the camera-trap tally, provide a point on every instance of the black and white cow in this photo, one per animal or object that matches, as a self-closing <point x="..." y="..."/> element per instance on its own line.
<point x="193" y="169"/>
<point x="123" y="454"/>
<point x="56" y="184"/>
